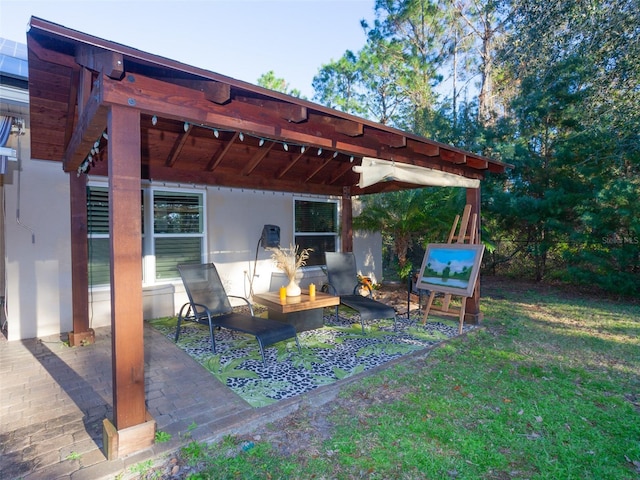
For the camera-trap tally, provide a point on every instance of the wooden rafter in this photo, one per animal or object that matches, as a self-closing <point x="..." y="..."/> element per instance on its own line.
<point x="290" y="164"/>
<point x="317" y="170"/>
<point x="257" y="158"/>
<point x="178" y="145"/>
<point x="219" y="155"/>
<point x="339" y="172"/>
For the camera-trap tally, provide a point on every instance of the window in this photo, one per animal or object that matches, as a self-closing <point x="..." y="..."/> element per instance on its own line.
<point x="177" y="225"/>
<point x="178" y="232"/>
<point x="316" y="227"/>
<point x="98" y="231"/>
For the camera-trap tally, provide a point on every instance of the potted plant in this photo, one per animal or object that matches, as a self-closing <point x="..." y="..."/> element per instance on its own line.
<point x="289" y="260"/>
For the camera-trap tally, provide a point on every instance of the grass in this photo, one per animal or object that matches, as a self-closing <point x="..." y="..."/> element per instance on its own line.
<point x="549" y="389"/>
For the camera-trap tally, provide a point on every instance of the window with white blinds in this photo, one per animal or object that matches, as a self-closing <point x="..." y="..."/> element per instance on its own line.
<point x="98" y="233"/>
<point x="178" y="231"/>
<point x="316" y="227"/>
<point x="177" y="226"/>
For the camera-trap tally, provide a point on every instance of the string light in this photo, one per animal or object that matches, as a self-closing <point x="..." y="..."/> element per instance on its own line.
<point x="90" y="159"/>
<point x="241" y="135"/>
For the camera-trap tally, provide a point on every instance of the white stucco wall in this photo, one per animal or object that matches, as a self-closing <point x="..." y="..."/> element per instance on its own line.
<point x="39" y="271"/>
<point x="37" y="253"/>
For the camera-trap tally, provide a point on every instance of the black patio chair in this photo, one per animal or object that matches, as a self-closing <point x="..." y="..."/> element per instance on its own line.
<point x="342" y="276"/>
<point x="209" y="305"/>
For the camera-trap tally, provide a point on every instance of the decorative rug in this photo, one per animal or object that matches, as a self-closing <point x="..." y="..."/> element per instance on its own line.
<point x="328" y="354"/>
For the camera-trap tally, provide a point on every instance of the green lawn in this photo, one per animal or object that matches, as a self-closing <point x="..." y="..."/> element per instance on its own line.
<point x="548" y="389"/>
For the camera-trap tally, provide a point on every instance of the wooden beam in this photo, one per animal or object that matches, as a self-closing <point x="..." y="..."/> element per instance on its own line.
<point x="177" y="146"/>
<point x="339" y="172"/>
<point x="290" y="164"/>
<point x="81" y="334"/>
<point x="326" y="162"/>
<point x="220" y="154"/>
<point x="342" y="125"/>
<point x="172" y="101"/>
<point x="452" y="156"/>
<point x="289" y="111"/>
<point x="477" y="163"/>
<point x="92" y="122"/>
<point x="346" y="231"/>
<point x="258" y="182"/>
<point x="356" y="150"/>
<point x="390" y="139"/>
<point x="428" y="149"/>
<point x="257" y="158"/>
<point x="125" y="231"/>
<point x="216" y="92"/>
<point x="103" y="61"/>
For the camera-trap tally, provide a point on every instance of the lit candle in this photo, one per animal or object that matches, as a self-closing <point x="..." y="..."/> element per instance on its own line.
<point x="312" y="290"/>
<point x="283" y="294"/>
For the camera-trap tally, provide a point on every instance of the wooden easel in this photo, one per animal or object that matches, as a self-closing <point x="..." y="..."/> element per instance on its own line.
<point x="463" y="227"/>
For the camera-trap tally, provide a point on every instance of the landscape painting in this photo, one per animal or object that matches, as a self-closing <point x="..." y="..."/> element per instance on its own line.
<point x="450" y="268"/>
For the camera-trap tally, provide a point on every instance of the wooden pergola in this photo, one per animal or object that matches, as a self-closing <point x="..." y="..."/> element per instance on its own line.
<point x="152" y="118"/>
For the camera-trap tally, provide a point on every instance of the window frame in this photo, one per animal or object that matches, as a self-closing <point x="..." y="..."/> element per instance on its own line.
<point x="148" y="235"/>
<point x="336" y="235"/>
<point x="150" y="272"/>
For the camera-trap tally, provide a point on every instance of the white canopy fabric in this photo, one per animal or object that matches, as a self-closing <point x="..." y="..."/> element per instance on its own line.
<point x="374" y="170"/>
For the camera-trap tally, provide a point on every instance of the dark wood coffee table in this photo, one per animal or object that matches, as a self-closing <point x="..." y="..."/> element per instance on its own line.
<point x="303" y="312"/>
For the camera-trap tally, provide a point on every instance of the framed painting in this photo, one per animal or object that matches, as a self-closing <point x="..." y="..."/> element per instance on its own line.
<point x="450" y="268"/>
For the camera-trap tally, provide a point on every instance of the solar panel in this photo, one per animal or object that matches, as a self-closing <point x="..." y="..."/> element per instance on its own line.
<point x="13" y="59"/>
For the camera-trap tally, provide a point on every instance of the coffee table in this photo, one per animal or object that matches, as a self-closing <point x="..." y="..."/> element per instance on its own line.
<point x="303" y="312"/>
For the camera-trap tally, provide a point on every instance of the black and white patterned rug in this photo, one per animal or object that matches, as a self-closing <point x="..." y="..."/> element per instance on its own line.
<point x="328" y="354"/>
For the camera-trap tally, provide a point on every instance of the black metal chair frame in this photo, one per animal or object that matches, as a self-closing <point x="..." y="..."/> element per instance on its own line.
<point x="209" y="305"/>
<point x="342" y="280"/>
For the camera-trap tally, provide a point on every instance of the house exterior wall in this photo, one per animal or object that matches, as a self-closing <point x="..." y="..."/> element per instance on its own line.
<point x="38" y="258"/>
<point x="35" y="243"/>
<point x="37" y="252"/>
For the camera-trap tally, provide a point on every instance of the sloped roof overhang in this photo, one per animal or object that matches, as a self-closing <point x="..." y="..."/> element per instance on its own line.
<point x="201" y="127"/>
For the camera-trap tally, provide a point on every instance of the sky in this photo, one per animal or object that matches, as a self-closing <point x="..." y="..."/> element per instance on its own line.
<point x="242" y="39"/>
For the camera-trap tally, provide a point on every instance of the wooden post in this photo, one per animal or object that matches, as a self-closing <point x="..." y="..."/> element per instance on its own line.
<point x="473" y="314"/>
<point x="126" y="267"/>
<point x="347" y="220"/>
<point x="81" y="334"/>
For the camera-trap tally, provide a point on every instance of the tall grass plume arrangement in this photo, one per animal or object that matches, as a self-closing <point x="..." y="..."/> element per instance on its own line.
<point x="289" y="260"/>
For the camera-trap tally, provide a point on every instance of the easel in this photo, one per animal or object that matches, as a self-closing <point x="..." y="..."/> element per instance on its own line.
<point x="461" y="237"/>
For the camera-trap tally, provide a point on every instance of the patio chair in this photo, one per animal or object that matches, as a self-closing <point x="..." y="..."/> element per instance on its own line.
<point x="343" y="281"/>
<point x="209" y="305"/>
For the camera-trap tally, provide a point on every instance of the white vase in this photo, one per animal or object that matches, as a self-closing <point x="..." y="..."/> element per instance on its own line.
<point x="293" y="289"/>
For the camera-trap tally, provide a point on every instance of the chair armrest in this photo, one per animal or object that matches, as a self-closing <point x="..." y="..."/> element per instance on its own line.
<point x="356" y="289"/>
<point x="244" y="300"/>
<point x="331" y="289"/>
